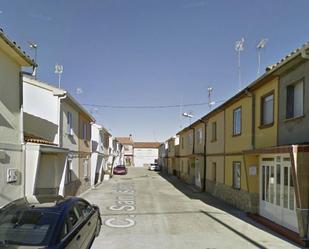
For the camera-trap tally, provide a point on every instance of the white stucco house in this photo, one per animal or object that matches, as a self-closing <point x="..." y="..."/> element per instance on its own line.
<point x="12" y="171"/>
<point x="145" y="153"/>
<point x="45" y="158"/>
<point x="51" y="120"/>
<point x="128" y="152"/>
<point x="99" y="149"/>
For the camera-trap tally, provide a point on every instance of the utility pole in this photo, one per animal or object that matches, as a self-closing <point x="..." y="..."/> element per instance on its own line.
<point x="210" y="103"/>
<point x="34" y="46"/>
<point x="259" y="47"/>
<point x="239" y="47"/>
<point x="59" y="71"/>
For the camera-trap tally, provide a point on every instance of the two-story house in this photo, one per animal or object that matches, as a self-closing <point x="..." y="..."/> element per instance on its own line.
<point x="12" y="171"/>
<point x="84" y="142"/>
<point x="145" y="153"/>
<point x="127" y="143"/>
<point x="199" y="152"/>
<point x="45" y="159"/>
<point x="98" y="160"/>
<point x="186" y="156"/>
<point x="163" y="156"/>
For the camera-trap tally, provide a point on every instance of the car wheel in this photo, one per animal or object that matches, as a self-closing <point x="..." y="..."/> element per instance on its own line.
<point x="98" y="228"/>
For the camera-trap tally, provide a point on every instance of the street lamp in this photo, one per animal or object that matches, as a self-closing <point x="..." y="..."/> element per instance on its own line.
<point x="188" y="115"/>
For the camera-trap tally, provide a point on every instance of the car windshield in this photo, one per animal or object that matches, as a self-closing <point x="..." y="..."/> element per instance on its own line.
<point x="26" y="226"/>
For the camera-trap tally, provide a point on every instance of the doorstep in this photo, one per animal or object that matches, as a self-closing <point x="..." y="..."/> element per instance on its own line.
<point x="291" y="235"/>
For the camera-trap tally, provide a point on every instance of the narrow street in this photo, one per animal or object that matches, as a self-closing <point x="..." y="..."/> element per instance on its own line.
<point x="146" y="210"/>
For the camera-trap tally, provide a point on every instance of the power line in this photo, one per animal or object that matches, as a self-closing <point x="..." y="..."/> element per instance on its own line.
<point x="149" y="106"/>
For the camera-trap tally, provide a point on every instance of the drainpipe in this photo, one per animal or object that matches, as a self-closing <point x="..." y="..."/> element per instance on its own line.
<point x="22" y="141"/>
<point x="59" y="120"/>
<point x="205" y="138"/>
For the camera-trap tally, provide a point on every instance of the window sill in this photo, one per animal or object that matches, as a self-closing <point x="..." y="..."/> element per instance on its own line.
<point x="236" y="135"/>
<point x="294" y="118"/>
<point x="264" y="126"/>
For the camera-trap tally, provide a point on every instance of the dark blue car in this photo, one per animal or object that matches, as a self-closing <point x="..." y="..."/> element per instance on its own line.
<point x="49" y="222"/>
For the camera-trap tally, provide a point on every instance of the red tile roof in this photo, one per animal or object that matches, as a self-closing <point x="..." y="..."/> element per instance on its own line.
<point x="124" y="140"/>
<point x="146" y="145"/>
<point x="30" y="138"/>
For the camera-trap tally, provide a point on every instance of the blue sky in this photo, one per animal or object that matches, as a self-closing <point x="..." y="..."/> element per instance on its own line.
<point x="153" y="52"/>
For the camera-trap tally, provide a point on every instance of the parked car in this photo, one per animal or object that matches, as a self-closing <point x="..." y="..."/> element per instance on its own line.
<point x="50" y="222"/>
<point x="152" y="166"/>
<point x="157" y="168"/>
<point x="120" y="170"/>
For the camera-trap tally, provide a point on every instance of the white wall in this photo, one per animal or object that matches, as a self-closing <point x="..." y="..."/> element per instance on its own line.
<point x="40" y="110"/>
<point x="40" y="102"/>
<point x="10" y="129"/>
<point x="143" y="156"/>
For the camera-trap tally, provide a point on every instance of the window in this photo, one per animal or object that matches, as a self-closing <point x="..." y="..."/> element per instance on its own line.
<point x="236" y="175"/>
<point x="182" y="143"/>
<point x="85" y="167"/>
<point x="74" y="216"/>
<point x="237" y="121"/>
<point x="190" y="138"/>
<point x="214" y="171"/>
<point x="199" y="136"/>
<point x="69" y="123"/>
<point x="69" y="171"/>
<point x="267" y="109"/>
<point x="85" y="208"/>
<point x="295" y="100"/>
<point x="214" y="131"/>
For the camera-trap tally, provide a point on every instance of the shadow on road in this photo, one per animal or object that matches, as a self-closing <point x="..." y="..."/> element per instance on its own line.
<point x="212" y="201"/>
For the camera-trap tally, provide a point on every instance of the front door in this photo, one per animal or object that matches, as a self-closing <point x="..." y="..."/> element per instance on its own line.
<point x="197" y="173"/>
<point x="277" y="198"/>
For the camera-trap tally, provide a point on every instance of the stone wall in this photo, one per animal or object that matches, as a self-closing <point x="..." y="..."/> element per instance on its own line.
<point x="248" y="202"/>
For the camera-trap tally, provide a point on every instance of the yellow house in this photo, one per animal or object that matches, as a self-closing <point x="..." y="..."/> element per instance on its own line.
<point x="215" y="152"/>
<point x="186" y="157"/>
<point x="199" y="128"/>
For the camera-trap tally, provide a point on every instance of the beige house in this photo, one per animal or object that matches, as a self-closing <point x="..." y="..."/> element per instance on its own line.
<point x="12" y="174"/>
<point x="186" y="157"/>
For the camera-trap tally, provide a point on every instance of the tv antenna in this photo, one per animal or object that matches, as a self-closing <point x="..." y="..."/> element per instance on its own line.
<point x="239" y="47"/>
<point x="210" y="103"/>
<point x="259" y="47"/>
<point x="59" y="71"/>
<point x="34" y="46"/>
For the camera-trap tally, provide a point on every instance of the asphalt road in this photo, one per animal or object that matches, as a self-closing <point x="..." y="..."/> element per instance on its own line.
<point x="146" y="210"/>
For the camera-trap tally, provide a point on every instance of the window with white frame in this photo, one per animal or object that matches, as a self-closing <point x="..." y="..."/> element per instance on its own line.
<point x="237" y="121"/>
<point x="69" y="123"/>
<point x="267" y="109"/>
<point x="236" y="175"/>
<point x="85" y="168"/>
<point x="69" y="171"/>
<point x="295" y="100"/>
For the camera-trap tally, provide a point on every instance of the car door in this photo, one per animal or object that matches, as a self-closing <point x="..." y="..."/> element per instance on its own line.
<point x="90" y="219"/>
<point x="78" y="228"/>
